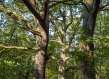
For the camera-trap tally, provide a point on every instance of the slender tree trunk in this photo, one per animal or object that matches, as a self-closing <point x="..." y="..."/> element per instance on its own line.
<point x="87" y="47"/>
<point x="62" y="61"/>
<point x="61" y="69"/>
<point x="64" y="47"/>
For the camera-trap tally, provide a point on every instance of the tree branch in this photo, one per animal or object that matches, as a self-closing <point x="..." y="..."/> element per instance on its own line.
<point x="31" y="8"/>
<point x="45" y="8"/>
<point x="16" y="47"/>
<point x="1" y="52"/>
<point x="65" y="2"/>
<point x="19" y="18"/>
<point x="41" y="18"/>
<point x="56" y="3"/>
<point x="71" y="20"/>
<point x="75" y="29"/>
<point x="85" y="6"/>
<point x="104" y="5"/>
<point x="56" y="30"/>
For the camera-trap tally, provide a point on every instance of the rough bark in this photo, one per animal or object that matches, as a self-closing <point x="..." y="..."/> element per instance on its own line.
<point x="87" y="47"/>
<point x="41" y="54"/>
<point x="41" y="21"/>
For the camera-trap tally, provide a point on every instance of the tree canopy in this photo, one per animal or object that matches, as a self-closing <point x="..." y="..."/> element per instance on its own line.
<point x="54" y="39"/>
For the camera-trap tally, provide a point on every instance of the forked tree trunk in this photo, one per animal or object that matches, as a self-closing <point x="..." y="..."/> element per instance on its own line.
<point x="87" y="47"/>
<point x="41" y="20"/>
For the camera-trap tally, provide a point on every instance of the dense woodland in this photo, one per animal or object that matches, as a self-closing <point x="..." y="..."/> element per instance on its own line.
<point x="54" y="39"/>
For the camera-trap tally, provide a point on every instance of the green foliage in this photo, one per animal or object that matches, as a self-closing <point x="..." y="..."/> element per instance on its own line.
<point x="15" y="64"/>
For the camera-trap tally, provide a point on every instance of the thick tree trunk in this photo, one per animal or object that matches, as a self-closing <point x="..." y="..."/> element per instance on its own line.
<point x="41" y="53"/>
<point x="41" y="20"/>
<point x="39" y="65"/>
<point x="87" y="47"/>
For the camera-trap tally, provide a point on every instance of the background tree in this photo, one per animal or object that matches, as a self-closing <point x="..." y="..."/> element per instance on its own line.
<point x="63" y="24"/>
<point x="87" y="46"/>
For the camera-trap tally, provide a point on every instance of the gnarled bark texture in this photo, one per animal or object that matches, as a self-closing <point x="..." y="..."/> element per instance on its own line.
<point x="87" y="47"/>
